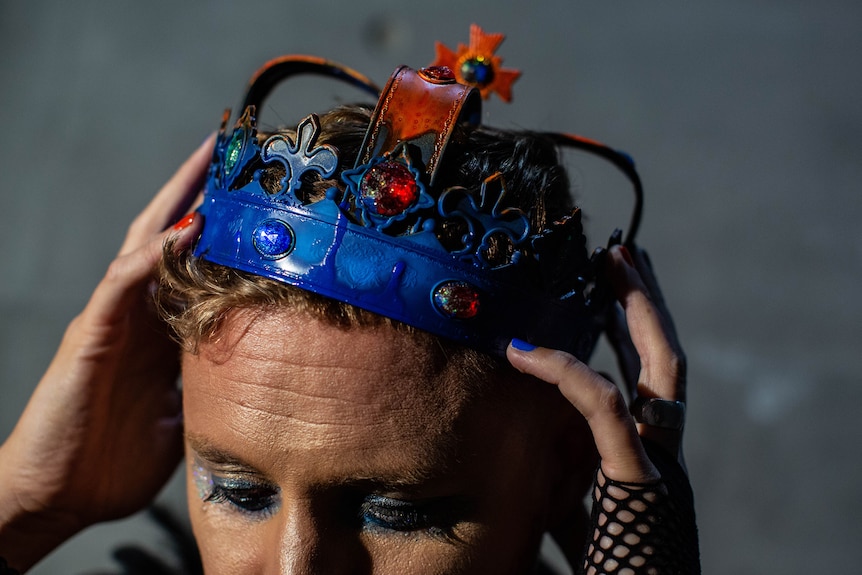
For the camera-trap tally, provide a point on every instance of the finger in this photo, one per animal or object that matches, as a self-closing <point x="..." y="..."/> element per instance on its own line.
<point x="173" y="200"/>
<point x="607" y="376"/>
<point x="643" y="265"/>
<point x="645" y="269"/>
<point x="601" y="404"/>
<point x="621" y="342"/>
<point x="129" y="274"/>
<point x="662" y="365"/>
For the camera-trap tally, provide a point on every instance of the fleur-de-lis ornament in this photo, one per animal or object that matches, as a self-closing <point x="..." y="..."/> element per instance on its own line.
<point x="302" y="156"/>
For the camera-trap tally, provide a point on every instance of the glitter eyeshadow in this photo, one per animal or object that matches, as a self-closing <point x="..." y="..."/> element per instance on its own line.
<point x="202" y="478"/>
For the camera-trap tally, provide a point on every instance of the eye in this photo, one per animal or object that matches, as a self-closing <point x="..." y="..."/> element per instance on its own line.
<point x="379" y="512"/>
<point x="247" y="496"/>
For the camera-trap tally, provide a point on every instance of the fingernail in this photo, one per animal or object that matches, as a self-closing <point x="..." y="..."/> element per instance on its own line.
<point x="627" y="256"/>
<point x="184" y="222"/>
<point x="616" y="238"/>
<point x="522" y="345"/>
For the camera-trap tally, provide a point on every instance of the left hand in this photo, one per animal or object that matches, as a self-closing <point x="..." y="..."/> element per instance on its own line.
<point x="651" y="356"/>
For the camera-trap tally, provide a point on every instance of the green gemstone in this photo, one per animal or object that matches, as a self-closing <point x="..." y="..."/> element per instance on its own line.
<point x="233" y="151"/>
<point x="477" y="71"/>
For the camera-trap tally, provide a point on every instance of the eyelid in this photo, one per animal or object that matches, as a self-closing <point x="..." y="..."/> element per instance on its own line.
<point x="438" y="517"/>
<point x="238" y="483"/>
<point x="247" y="494"/>
<point x="377" y="511"/>
<point x="217" y="463"/>
<point x="458" y="503"/>
<point x="239" y="480"/>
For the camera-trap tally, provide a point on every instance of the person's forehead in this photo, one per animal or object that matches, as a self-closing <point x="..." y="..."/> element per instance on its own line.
<point x="293" y="353"/>
<point x="286" y="386"/>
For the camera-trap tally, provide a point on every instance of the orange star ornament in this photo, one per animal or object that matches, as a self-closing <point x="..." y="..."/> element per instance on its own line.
<point x="476" y="65"/>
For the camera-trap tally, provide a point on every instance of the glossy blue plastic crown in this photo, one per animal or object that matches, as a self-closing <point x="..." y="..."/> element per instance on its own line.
<point x="373" y="240"/>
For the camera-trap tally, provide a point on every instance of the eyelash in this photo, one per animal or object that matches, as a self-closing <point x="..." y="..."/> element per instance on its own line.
<point x="376" y="513"/>
<point x="250" y="498"/>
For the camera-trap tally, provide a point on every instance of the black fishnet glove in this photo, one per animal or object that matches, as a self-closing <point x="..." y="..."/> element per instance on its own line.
<point x="644" y="528"/>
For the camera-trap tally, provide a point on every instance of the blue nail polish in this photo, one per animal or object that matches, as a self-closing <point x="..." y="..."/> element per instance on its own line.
<point x="522" y="345"/>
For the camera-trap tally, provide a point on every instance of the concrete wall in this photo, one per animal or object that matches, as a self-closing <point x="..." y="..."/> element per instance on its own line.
<point x="745" y="121"/>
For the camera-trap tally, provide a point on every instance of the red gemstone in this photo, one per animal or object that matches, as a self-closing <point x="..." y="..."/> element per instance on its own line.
<point x="457" y="299"/>
<point x="438" y="74"/>
<point x="388" y="188"/>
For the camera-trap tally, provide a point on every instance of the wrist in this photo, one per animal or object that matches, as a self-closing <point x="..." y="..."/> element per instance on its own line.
<point x="28" y="530"/>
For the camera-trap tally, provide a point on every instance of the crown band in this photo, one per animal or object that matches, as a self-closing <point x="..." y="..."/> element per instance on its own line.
<point x="406" y="281"/>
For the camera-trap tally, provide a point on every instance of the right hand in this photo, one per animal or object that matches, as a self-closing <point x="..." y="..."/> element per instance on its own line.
<point x="102" y="432"/>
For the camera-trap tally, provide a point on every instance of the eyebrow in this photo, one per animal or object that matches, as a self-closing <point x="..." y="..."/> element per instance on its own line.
<point x="205" y="449"/>
<point x="407" y="479"/>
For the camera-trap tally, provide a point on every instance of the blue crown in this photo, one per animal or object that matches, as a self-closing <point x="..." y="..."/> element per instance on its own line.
<point x="373" y="241"/>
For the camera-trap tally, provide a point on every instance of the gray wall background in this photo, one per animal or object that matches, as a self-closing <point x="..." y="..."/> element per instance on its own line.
<point x="744" y="117"/>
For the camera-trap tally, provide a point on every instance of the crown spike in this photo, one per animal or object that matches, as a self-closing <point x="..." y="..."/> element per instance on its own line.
<point x="477" y="64"/>
<point x="300" y="157"/>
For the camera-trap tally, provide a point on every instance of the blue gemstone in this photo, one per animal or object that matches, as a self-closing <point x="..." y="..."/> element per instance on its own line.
<point x="477" y="71"/>
<point x="273" y="239"/>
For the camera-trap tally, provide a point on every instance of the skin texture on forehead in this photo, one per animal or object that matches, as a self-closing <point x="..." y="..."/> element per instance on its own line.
<point x="295" y="373"/>
<point x="325" y="416"/>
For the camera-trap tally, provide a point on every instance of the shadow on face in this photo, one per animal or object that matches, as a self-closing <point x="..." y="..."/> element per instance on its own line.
<point x="316" y="449"/>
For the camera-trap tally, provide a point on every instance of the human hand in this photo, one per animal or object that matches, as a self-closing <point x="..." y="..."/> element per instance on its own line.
<point x="102" y="432"/>
<point x="633" y="489"/>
